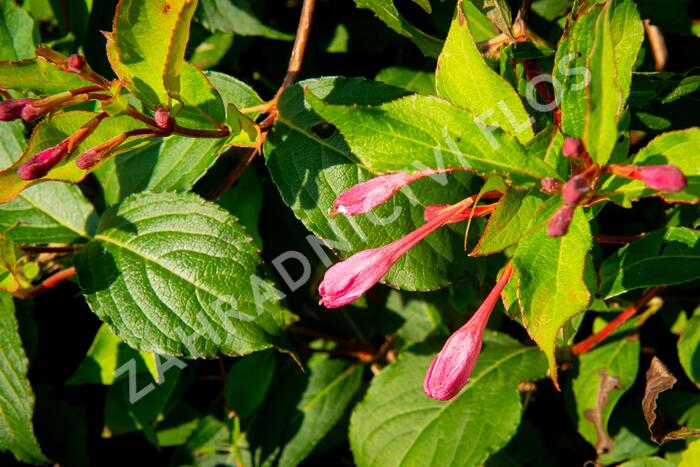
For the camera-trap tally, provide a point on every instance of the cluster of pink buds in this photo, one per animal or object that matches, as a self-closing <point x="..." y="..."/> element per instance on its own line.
<point x="348" y="280"/>
<point x="578" y="189"/>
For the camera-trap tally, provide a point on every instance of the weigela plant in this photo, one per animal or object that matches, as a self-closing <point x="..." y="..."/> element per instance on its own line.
<point x="480" y="248"/>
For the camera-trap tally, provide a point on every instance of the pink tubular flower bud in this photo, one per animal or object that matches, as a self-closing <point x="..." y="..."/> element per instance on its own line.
<point x="366" y="196"/>
<point x="94" y="156"/>
<point x="573" y="148"/>
<point x="75" y="63"/>
<point x="434" y="210"/>
<point x="576" y="189"/>
<point x="12" y="109"/>
<point x="39" y="164"/>
<point x="453" y="365"/>
<point x="559" y="223"/>
<point x="163" y="119"/>
<point x="346" y="281"/>
<point x="666" y="178"/>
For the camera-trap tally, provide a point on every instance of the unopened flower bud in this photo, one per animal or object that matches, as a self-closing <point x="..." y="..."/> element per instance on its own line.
<point x="560" y="221"/>
<point x="12" y="109"/>
<point x="666" y="178"/>
<point x="550" y="185"/>
<point x="94" y="156"/>
<point x="75" y="63"/>
<point x="576" y="189"/>
<point x="41" y="163"/>
<point x="573" y="148"/>
<point x="163" y="119"/>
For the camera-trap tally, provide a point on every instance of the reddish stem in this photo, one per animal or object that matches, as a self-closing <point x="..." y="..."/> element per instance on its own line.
<point x="593" y="340"/>
<point x="48" y="283"/>
<point x="616" y="239"/>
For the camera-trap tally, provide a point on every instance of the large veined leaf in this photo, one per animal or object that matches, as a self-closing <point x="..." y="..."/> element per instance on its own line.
<point x="16" y="397"/>
<point x="397" y="425"/>
<point x="150" y="38"/>
<point x="38" y="76"/>
<point x="464" y="78"/>
<point x="52" y="131"/>
<point x="417" y="131"/>
<point x="670" y="256"/>
<point x="679" y="148"/>
<point x="49" y="212"/>
<point x="174" y="274"/>
<point x="386" y="11"/>
<point x="551" y="286"/>
<point x="311" y="168"/>
<point x="604" y="375"/>
<point x="8" y="265"/>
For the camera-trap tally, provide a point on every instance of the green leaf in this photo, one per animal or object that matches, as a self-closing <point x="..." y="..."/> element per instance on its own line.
<point x="618" y="37"/>
<point x="518" y="213"/>
<point x="664" y="257"/>
<point x="690" y="455"/>
<point x="396" y="424"/>
<point x="604" y="375"/>
<point x="150" y="38"/>
<point x="417" y="131"/>
<point x="45" y="213"/>
<point x="311" y="168"/>
<point x="689" y="349"/>
<point x="16" y="397"/>
<point x="551" y="282"/>
<point x="293" y="421"/>
<point x="174" y="274"/>
<point x="52" y="131"/>
<point x="464" y="78"/>
<point x="203" y="107"/>
<point x="235" y="16"/>
<point x="678" y="148"/>
<point x="386" y="11"/>
<point x="39" y="76"/>
<point x="499" y="13"/>
<point x="8" y="265"/>
<point x="248" y="381"/>
<point x="418" y="81"/>
<point x="648" y="462"/>
<point x="421" y="317"/>
<point x="106" y="355"/>
<point x="16" y="32"/>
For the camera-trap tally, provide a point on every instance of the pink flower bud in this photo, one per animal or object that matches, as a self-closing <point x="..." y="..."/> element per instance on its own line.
<point x="576" y="189"/>
<point x="39" y="164"/>
<point x="559" y="223"/>
<point x="12" y="109"/>
<point x="433" y="210"/>
<point x="666" y="178"/>
<point x="452" y="367"/>
<point x="31" y="112"/>
<point x="550" y="185"/>
<point x="163" y="119"/>
<point x="75" y="63"/>
<point x="366" y="196"/>
<point x="573" y="148"/>
<point x="346" y="281"/>
<point x="94" y="156"/>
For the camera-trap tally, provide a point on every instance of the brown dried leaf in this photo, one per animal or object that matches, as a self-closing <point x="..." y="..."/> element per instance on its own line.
<point x="662" y="428"/>
<point x="607" y="384"/>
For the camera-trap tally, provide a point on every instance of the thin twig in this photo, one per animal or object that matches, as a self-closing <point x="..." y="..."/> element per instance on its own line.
<point x="616" y="239"/>
<point x="48" y="283"/>
<point x="48" y="249"/>
<point x="593" y="340"/>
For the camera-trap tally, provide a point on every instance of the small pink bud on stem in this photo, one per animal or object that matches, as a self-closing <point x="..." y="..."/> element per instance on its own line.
<point x="559" y="223"/>
<point x="75" y="63"/>
<point x="576" y="189"/>
<point x="366" y="196"/>
<point x="550" y="185"/>
<point x="94" y="156"/>
<point x="163" y="119"/>
<point x="667" y="177"/>
<point x="12" y="109"/>
<point x="453" y="365"/>
<point x="573" y="148"/>
<point x="39" y="164"/>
